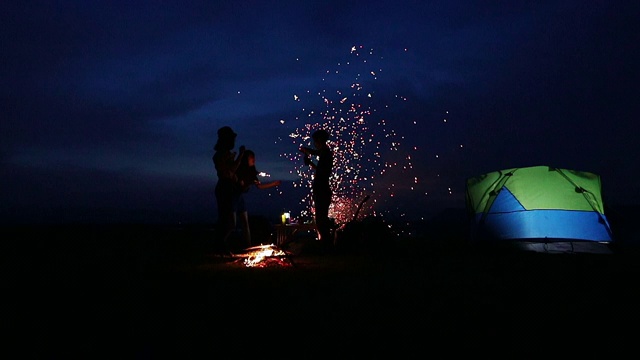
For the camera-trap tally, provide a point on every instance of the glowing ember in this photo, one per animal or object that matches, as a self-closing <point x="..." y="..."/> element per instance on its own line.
<point x="357" y="104"/>
<point x="265" y="256"/>
<point x="362" y="141"/>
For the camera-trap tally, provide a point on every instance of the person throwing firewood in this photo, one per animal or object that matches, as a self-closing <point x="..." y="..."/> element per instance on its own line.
<point x="321" y="190"/>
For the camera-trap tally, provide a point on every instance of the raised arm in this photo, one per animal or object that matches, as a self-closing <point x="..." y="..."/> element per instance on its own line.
<point x="309" y="151"/>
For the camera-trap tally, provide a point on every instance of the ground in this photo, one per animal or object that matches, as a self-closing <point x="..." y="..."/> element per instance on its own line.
<point x="157" y="292"/>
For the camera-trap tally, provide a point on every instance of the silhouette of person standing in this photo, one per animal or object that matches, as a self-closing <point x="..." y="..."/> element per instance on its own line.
<point x="248" y="177"/>
<point x="321" y="189"/>
<point x="227" y="190"/>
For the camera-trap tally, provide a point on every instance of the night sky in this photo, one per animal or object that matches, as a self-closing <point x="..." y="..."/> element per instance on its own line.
<point x="110" y="108"/>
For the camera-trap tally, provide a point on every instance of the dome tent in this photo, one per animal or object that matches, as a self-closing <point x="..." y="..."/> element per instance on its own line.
<point x="539" y="208"/>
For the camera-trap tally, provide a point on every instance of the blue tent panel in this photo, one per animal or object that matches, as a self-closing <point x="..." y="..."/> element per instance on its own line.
<point x="542" y="224"/>
<point x="505" y="202"/>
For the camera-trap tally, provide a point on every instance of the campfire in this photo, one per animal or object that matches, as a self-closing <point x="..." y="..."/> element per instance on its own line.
<point x="264" y="256"/>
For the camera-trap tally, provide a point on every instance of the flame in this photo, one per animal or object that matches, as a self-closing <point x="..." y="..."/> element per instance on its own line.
<point x="265" y="255"/>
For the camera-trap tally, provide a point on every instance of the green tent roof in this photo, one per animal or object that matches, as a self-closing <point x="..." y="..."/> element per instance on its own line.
<point x="538" y="188"/>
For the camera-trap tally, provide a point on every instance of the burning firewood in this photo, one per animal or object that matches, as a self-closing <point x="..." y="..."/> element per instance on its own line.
<point x="264" y="256"/>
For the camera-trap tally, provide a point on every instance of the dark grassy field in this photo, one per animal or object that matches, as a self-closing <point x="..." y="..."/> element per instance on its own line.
<point x="159" y="292"/>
